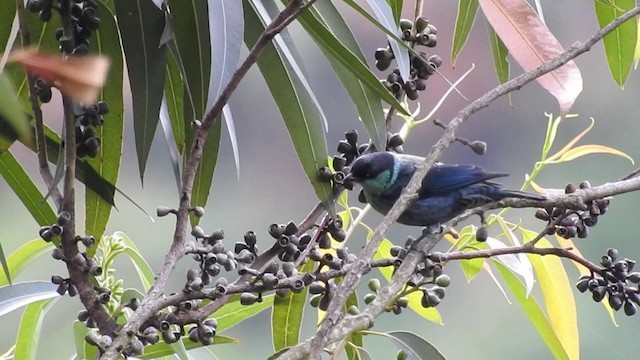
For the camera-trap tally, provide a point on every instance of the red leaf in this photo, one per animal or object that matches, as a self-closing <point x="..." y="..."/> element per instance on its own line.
<point x="531" y="43"/>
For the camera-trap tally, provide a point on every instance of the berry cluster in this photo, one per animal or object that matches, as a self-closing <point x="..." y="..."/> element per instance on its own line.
<point x="574" y="223"/>
<point x="617" y="282"/>
<point x="422" y="65"/>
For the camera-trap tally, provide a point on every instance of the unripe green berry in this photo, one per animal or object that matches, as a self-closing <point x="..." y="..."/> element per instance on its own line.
<point x="374" y="285"/>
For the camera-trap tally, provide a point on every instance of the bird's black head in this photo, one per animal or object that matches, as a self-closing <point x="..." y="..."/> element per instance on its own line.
<point x="370" y="166"/>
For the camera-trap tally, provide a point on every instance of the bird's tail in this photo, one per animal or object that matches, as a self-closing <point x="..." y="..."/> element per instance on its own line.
<point x="523" y="195"/>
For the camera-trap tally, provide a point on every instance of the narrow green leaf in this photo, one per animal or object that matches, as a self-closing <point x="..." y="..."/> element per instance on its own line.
<point x="7" y="15"/>
<point x="11" y="114"/>
<point x="415" y="346"/>
<point x="286" y="316"/>
<point x="233" y="313"/>
<point x="534" y="312"/>
<point x="471" y="268"/>
<point x="142" y="267"/>
<point x="107" y="162"/>
<point x="141" y="25"/>
<point x="415" y="298"/>
<point x="206" y="169"/>
<point x="298" y="111"/>
<point x="22" y="185"/>
<point x="5" y="266"/>
<point x="619" y="45"/>
<point x="162" y="349"/>
<point x="167" y="129"/>
<point x="192" y="38"/>
<point x="467" y="10"/>
<point x="29" y="330"/>
<point x="174" y="94"/>
<point x="23" y="256"/>
<point x="499" y="52"/>
<point x="25" y="293"/>
<point x="385" y="17"/>
<point x="227" y="32"/>
<point x="329" y="30"/>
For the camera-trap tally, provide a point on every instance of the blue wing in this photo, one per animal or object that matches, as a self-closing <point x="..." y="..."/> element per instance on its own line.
<point x="443" y="179"/>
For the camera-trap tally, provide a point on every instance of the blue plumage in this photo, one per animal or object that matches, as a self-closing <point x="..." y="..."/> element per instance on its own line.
<point x="447" y="190"/>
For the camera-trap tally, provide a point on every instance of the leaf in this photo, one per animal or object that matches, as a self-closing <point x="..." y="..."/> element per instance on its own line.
<point x="326" y="26"/>
<point x="286" y="315"/>
<point x="534" y="312"/>
<point x="22" y="185"/>
<point x="499" y="54"/>
<point x="30" y="327"/>
<point x="204" y="175"/>
<point x="141" y="25"/>
<point x="12" y="118"/>
<point x="174" y="96"/>
<point x="162" y="349"/>
<point x="467" y="10"/>
<point x="167" y="129"/>
<point x="558" y="297"/>
<point x="471" y="268"/>
<point x="233" y="313"/>
<point x="415" y="298"/>
<point x="636" y="52"/>
<point x="5" y="266"/>
<point x="583" y="150"/>
<point x="531" y="43"/>
<point x="227" y="32"/>
<point x="106" y="164"/>
<point x="23" y="256"/>
<point x="619" y="45"/>
<point x="7" y="15"/>
<point x="142" y="267"/>
<point x="415" y="346"/>
<point x="385" y="16"/>
<point x="552" y="131"/>
<point x="79" y="332"/>
<point x="300" y="115"/>
<point x="514" y="263"/>
<point x="24" y="293"/>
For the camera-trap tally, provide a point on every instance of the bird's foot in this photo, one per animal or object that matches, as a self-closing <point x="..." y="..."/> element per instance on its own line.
<point x="427" y="231"/>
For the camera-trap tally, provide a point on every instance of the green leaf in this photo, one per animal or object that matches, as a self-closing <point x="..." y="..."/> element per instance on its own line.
<point x="415" y="346"/>
<point x="21" y="184"/>
<point x="162" y="349"/>
<point x="24" y="293"/>
<point x="142" y="267"/>
<point x="204" y="175"/>
<point x="11" y="114"/>
<point x="5" y="266"/>
<point x="30" y="326"/>
<point x="415" y="298"/>
<point x="296" y="106"/>
<point x="7" y="15"/>
<point x="534" y="312"/>
<point x="23" y="256"/>
<point x="141" y="25"/>
<point x="499" y="52"/>
<point x="467" y="10"/>
<point x="174" y="94"/>
<point x="106" y="41"/>
<point x="619" y="45"/>
<point x="286" y="315"/>
<point x="329" y="30"/>
<point x="233" y="313"/>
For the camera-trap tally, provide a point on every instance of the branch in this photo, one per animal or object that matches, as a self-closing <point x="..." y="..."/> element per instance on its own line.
<point x="41" y="147"/>
<point x="350" y="282"/>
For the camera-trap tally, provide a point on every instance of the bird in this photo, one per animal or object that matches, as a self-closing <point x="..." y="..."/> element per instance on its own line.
<point x="446" y="191"/>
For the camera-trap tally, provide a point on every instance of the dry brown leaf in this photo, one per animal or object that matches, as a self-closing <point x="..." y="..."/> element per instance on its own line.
<point x="531" y="43"/>
<point x="78" y="77"/>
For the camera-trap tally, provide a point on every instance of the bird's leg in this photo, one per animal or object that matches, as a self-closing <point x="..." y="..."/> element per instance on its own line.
<point x="427" y="231"/>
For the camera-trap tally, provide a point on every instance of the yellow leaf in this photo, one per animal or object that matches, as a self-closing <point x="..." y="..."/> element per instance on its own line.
<point x="558" y="298"/>
<point x="572" y="142"/>
<point x="591" y="149"/>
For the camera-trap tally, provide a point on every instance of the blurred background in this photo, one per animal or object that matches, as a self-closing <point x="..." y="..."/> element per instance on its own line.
<point x="478" y="322"/>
